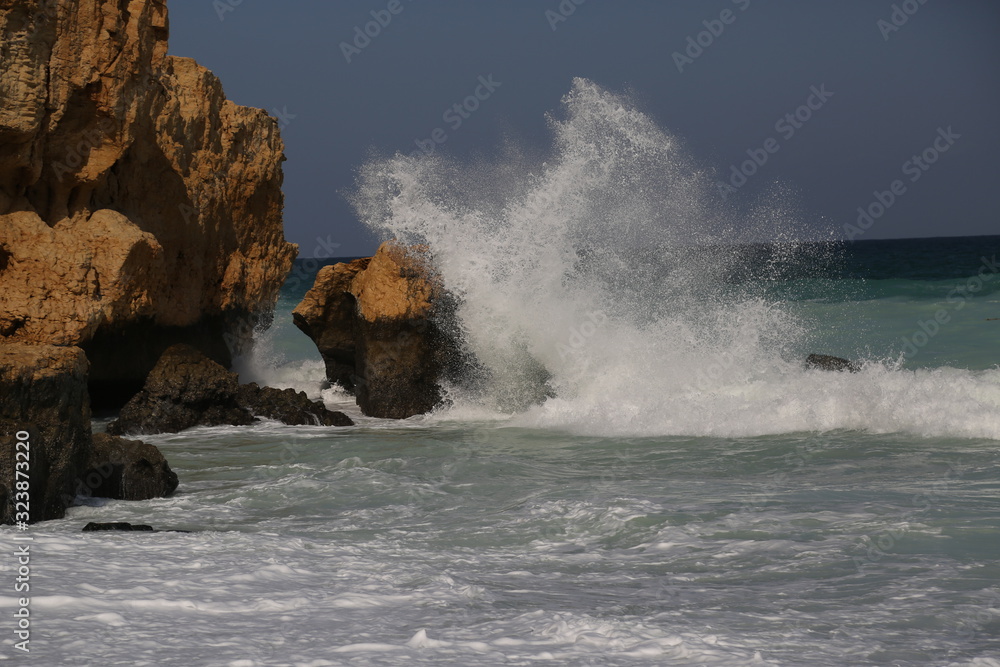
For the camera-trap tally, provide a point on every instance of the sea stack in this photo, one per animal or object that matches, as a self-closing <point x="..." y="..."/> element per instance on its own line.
<point x="378" y="325"/>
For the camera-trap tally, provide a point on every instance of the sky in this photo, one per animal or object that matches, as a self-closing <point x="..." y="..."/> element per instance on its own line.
<point x="870" y="85"/>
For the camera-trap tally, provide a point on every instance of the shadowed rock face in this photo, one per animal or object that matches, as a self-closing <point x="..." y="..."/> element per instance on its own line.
<point x="187" y="389"/>
<point x="377" y="324"/>
<point x="127" y="470"/>
<point x="142" y="204"/>
<point x="288" y="406"/>
<point x="327" y="315"/>
<point x="43" y="390"/>
<point x="43" y="395"/>
<point x="184" y="389"/>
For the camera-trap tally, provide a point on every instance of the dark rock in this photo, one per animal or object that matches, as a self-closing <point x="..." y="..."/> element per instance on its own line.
<point x="94" y="527"/>
<point x="184" y="389"/>
<point x="127" y="470"/>
<point x="825" y="362"/>
<point x="187" y="389"/>
<point x="288" y="406"/>
<point x="43" y="392"/>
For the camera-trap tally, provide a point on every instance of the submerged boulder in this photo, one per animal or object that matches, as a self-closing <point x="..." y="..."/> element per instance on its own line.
<point x="378" y="325"/>
<point x="121" y="526"/>
<point x="288" y="406"/>
<point x="187" y="389"/>
<point x="127" y="470"/>
<point x="825" y="362"/>
<point x="124" y="526"/>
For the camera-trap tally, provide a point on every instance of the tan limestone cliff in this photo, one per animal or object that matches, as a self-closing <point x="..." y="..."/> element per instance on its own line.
<point x="138" y="206"/>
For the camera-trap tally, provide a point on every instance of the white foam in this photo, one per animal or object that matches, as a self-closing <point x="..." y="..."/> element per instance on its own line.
<point x="584" y="270"/>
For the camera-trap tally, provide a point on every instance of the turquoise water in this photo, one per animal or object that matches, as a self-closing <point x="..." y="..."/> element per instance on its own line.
<point x="690" y="493"/>
<point x="470" y="538"/>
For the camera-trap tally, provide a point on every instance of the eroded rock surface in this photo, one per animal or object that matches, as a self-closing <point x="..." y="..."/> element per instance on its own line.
<point x="43" y="393"/>
<point x="187" y="389"/>
<point x="288" y="406"/>
<point x="138" y="206"/>
<point x="378" y="325"/>
<point x="327" y="315"/>
<point x="184" y="389"/>
<point x="127" y="470"/>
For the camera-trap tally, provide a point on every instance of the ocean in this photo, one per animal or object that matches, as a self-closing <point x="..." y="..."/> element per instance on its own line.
<point x="640" y="470"/>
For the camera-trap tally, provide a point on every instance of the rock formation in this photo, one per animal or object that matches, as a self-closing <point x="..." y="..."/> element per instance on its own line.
<point x="43" y="394"/>
<point x="124" y="526"/>
<point x="138" y="206"/>
<point x="45" y="425"/>
<point x="378" y="324"/>
<point x="825" y="362"/>
<point x="288" y="406"/>
<point x="127" y="470"/>
<point x="327" y="315"/>
<point x="187" y="389"/>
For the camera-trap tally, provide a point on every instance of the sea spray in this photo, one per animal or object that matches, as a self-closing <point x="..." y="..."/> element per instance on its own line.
<point x="617" y="220"/>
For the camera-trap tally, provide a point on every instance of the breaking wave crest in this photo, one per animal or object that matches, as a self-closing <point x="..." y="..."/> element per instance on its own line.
<point x="596" y="292"/>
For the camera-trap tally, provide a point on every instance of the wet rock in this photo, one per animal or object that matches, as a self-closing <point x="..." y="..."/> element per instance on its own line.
<point x="288" y="406"/>
<point x="378" y="324"/>
<point x="127" y="470"/>
<point x="187" y="389"/>
<point x="183" y="390"/>
<point x="327" y="315"/>
<point x="825" y="362"/>
<point x="43" y="395"/>
<point x="94" y="527"/>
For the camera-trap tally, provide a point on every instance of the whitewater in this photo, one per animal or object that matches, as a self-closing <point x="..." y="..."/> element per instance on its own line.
<point x="635" y="466"/>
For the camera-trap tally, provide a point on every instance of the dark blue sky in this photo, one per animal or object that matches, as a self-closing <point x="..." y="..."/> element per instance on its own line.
<point x="892" y="89"/>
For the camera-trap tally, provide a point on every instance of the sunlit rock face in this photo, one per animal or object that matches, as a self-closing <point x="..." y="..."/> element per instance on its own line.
<point x="138" y="206"/>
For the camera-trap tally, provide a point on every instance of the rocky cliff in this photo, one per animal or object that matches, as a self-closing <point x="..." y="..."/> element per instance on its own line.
<point x="138" y="206"/>
<point x="44" y="429"/>
<point x="380" y="324"/>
